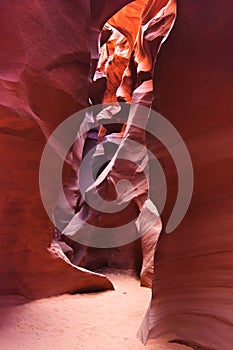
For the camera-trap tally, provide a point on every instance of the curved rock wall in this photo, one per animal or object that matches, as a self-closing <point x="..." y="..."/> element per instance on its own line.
<point x="47" y="60"/>
<point x="46" y="51"/>
<point x="193" y="285"/>
<point x="128" y="256"/>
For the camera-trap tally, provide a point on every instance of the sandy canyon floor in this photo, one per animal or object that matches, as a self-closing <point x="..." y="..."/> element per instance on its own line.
<point x="95" y="321"/>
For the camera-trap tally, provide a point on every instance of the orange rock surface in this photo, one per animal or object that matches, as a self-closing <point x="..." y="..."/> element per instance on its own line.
<point x="49" y="57"/>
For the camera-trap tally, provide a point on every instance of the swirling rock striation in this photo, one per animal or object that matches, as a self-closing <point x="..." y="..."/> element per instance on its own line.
<point x="45" y="65"/>
<point x="193" y="285"/>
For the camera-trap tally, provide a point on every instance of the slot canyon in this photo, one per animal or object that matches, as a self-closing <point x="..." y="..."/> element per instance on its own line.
<point x="116" y="175"/>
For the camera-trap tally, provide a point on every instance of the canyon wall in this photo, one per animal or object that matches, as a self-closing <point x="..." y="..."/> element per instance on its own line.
<point x="193" y="284"/>
<point x="45" y="64"/>
<point x="49" y="53"/>
<point x="130" y="161"/>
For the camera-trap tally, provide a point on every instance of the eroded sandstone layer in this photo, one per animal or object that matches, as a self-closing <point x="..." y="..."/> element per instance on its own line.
<point x="46" y="52"/>
<point x="193" y="284"/>
<point x="49" y="57"/>
<point x="130" y="162"/>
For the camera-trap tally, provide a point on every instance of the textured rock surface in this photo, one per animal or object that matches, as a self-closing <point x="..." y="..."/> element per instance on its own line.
<point x="147" y="44"/>
<point x="193" y="285"/>
<point x="49" y="52"/>
<point x="116" y="51"/>
<point x="129" y="163"/>
<point x="127" y="20"/>
<point x="44" y="71"/>
<point x="156" y="21"/>
<point x="113" y="61"/>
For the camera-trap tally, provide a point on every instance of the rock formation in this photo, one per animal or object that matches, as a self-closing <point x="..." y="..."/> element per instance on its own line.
<point x="50" y="69"/>
<point x="44" y="74"/>
<point x="192" y="285"/>
<point x="82" y="223"/>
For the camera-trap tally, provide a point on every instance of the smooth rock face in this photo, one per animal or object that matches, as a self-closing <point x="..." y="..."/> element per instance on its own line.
<point x="193" y="284"/>
<point x="44" y="71"/>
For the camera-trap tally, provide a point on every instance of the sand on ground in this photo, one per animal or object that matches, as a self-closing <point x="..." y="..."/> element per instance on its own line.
<point x="92" y="321"/>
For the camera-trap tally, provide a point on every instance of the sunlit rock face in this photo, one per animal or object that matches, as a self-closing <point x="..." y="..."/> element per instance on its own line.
<point x="156" y="21"/>
<point x="127" y="20"/>
<point x="113" y="61"/>
<point x="115" y="55"/>
<point x="46" y="52"/>
<point x="193" y="285"/>
<point x="137" y="255"/>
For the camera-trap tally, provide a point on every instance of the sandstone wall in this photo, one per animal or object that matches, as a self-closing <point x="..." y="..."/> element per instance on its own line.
<point x="46" y="51"/>
<point x="192" y="285"/>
